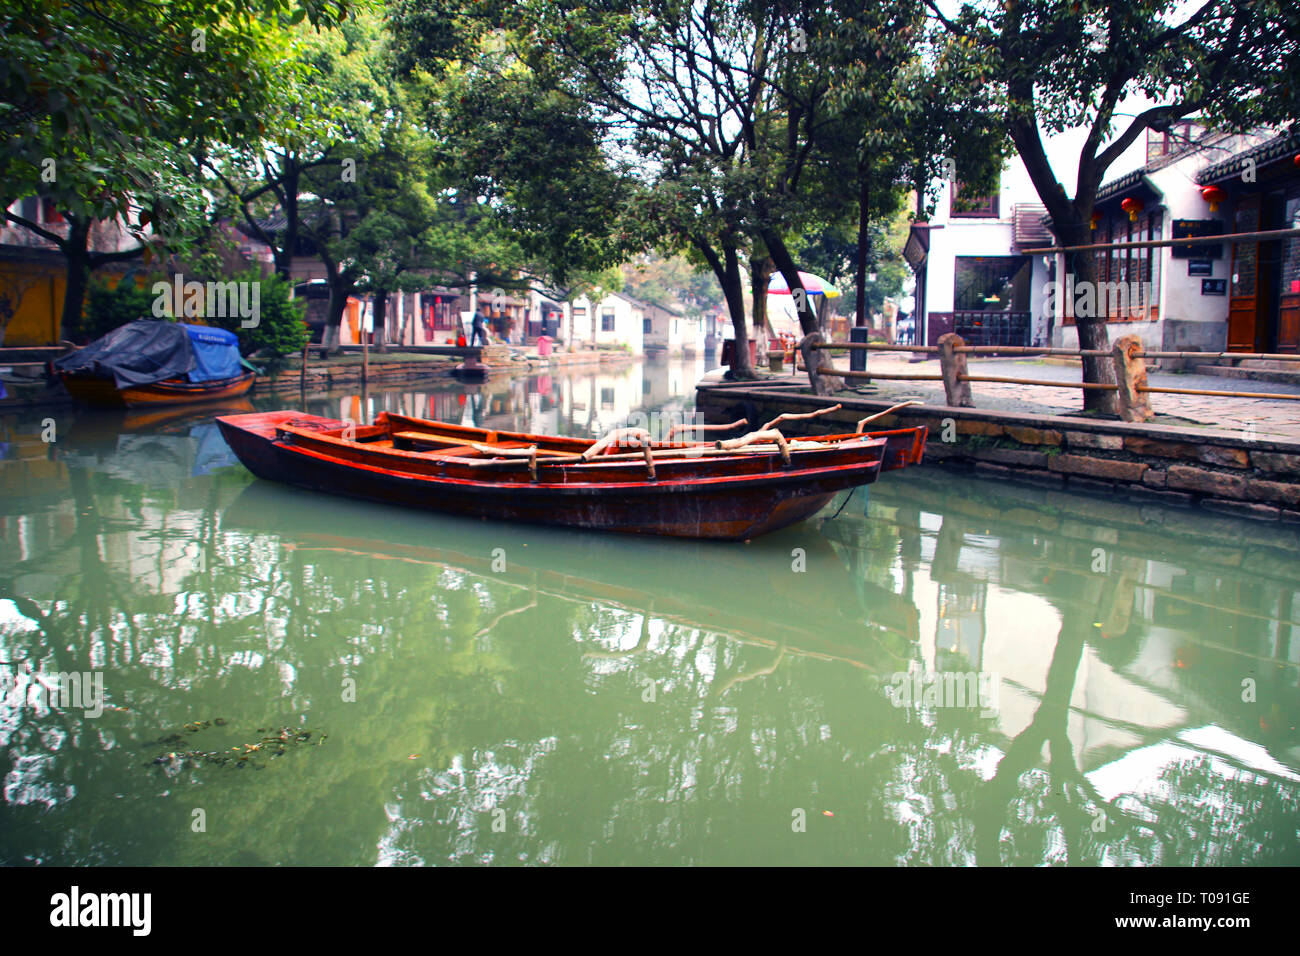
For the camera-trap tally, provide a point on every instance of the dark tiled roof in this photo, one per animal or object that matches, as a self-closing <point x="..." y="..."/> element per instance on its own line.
<point x="1286" y="144"/>
<point x="1126" y="182"/>
<point x="1122" y="184"/>
<point x="277" y="221"/>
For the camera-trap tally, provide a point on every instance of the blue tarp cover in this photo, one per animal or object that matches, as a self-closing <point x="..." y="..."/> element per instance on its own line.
<point x="150" y="350"/>
<point x="216" y="353"/>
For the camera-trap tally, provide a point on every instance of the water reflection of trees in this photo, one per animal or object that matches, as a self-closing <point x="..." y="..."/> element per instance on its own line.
<point x="527" y="691"/>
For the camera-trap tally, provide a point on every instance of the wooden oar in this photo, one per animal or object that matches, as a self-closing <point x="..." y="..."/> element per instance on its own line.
<point x="693" y="451"/>
<point x="616" y="437"/>
<point x="704" y="428"/>
<point x="516" y="452"/>
<point x="791" y="416"/>
<point x="763" y="434"/>
<point x="887" y="411"/>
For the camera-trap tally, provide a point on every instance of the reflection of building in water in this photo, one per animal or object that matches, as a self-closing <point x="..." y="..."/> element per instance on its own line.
<point x="961" y="569"/>
<point x="959" y="639"/>
<point x="585" y="402"/>
<point x="1175" y="616"/>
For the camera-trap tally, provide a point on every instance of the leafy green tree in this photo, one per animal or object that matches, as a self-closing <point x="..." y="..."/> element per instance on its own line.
<point x="1067" y="64"/>
<point x="280" y="329"/>
<point x="532" y="158"/>
<point x="308" y="122"/>
<point x="907" y="107"/>
<point x="104" y="103"/>
<point x="670" y="280"/>
<point x="678" y="88"/>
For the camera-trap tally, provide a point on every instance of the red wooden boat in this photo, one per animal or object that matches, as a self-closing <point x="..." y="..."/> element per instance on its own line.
<point x="732" y="490"/>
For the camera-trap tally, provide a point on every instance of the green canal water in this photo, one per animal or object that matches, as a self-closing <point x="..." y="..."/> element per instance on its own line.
<point x="945" y="671"/>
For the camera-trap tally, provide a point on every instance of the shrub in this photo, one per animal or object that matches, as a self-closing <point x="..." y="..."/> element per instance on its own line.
<point x="108" y="307"/>
<point x="280" y="329"/>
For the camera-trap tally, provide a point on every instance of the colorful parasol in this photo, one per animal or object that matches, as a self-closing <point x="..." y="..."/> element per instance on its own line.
<point x="813" y="285"/>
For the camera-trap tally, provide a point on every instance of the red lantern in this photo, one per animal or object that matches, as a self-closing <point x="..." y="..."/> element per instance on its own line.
<point x="1132" y="206"/>
<point x="1296" y="159"/>
<point x="1096" y="221"/>
<point x="1213" y="195"/>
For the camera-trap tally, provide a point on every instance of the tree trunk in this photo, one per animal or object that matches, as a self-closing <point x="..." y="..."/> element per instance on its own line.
<point x="728" y="275"/>
<point x="824" y="311"/>
<point x="339" y="291"/>
<point x="760" y="273"/>
<point x="864" y="250"/>
<point x="1071" y="224"/>
<point x="408" y="316"/>
<point x="381" y="321"/>
<point x="821" y="384"/>
<point x="74" y="296"/>
<point x="1092" y="329"/>
<point x="741" y="367"/>
<point x="284" y="252"/>
<point x="78" y="276"/>
<point x="341" y="285"/>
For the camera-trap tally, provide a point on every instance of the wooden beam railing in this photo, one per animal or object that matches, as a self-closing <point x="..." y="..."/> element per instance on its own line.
<point x="1127" y="354"/>
<point x="1264" y="235"/>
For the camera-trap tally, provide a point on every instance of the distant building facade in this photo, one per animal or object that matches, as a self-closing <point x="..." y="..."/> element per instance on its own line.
<point x="973" y="276"/>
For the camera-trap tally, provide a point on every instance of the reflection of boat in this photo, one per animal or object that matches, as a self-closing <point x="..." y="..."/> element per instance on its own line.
<point x="748" y="594"/>
<point x="731" y="490"/>
<point x="178" y="418"/>
<point x="148" y="363"/>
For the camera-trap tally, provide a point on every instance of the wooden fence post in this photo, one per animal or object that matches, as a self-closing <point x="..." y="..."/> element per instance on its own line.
<point x="812" y="360"/>
<point x="953" y="365"/>
<point x="1131" y="377"/>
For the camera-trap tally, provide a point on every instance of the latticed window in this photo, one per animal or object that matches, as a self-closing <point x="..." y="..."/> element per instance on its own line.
<point x="1128" y="279"/>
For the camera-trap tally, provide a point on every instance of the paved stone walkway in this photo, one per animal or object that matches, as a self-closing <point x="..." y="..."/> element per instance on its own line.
<point x="1273" y="419"/>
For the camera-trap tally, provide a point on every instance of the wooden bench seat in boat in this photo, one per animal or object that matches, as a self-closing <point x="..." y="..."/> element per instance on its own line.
<point x="446" y="446"/>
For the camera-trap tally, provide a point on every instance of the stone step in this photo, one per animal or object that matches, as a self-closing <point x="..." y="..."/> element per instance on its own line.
<point x="1269" y="365"/>
<point x="1252" y="374"/>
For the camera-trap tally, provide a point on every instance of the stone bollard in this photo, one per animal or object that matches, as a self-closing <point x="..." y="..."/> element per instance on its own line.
<point x="1131" y="377"/>
<point x="813" y="359"/>
<point x="953" y="366"/>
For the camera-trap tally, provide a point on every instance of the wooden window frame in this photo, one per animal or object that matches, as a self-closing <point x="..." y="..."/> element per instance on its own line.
<point x="990" y="208"/>
<point x="1120" y="265"/>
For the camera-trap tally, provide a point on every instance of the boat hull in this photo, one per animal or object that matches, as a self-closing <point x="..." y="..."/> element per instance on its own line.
<point x="736" y="501"/>
<point x="104" y="392"/>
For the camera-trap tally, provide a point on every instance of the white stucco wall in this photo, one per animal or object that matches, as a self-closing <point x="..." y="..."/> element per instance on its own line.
<point x="962" y="236"/>
<point x="627" y="323"/>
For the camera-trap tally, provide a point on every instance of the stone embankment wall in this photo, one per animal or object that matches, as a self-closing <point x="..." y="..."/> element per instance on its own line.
<point x="324" y="377"/>
<point x="1226" y="471"/>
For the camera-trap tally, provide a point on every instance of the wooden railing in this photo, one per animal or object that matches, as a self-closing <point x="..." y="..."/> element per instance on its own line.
<point x="1127" y="355"/>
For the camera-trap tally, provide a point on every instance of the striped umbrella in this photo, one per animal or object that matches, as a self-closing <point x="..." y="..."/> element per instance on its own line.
<point x="813" y="285"/>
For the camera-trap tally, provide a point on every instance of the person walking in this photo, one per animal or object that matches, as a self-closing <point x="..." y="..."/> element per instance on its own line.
<point x="480" y="329"/>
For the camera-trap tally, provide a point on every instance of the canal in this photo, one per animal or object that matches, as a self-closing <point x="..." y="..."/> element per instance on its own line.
<point x="201" y="668"/>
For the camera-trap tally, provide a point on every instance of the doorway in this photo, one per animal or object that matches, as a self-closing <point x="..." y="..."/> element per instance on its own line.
<point x="1264" y="308"/>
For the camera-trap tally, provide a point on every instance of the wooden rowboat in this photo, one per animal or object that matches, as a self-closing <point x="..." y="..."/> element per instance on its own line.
<point x="94" y="390"/>
<point x="150" y="362"/>
<point x="733" y="490"/>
